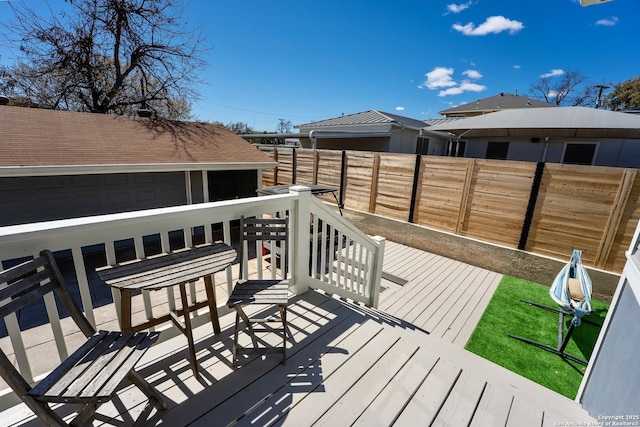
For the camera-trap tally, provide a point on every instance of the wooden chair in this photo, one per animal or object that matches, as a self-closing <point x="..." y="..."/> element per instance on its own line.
<point x="273" y="232"/>
<point x="91" y="375"/>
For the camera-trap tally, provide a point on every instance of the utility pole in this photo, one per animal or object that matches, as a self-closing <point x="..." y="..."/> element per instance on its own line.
<point x="600" y="89"/>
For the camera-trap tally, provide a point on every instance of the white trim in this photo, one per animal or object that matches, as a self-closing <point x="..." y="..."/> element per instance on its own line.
<point x="11" y="171"/>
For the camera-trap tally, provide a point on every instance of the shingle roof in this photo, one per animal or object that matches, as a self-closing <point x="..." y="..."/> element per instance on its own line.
<point x="38" y="137"/>
<point x="365" y="118"/>
<point x="498" y="102"/>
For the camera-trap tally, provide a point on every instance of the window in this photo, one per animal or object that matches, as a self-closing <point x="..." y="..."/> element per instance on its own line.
<point x="497" y="150"/>
<point x="456" y="148"/>
<point x="579" y="154"/>
<point x="422" y="146"/>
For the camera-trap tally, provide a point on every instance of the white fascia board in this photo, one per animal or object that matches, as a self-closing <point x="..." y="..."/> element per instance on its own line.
<point x="12" y="171"/>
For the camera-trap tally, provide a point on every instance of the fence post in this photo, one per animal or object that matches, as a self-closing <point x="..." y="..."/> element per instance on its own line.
<point x="414" y="189"/>
<point x="343" y="178"/>
<point x="294" y="165"/>
<point x="531" y="206"/>
<point x="374" y="183"/>
<point x="300" y="223"/>
<point x="376" y="276"/>
<point x="615" y="217"/>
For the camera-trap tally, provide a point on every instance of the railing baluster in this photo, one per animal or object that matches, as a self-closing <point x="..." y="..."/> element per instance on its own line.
<point x="188" y="243"/>
<point x="332" y="239"/>
<point x="226" y="235"/>
<point x="360" y="279"/>
<point x="323" y="254"/>
<point x="19" y="350"/>
<point x="314" y="250"/>
<point x="165" y="243"/>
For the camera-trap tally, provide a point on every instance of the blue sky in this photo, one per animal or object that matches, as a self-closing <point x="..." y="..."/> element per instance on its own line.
<point x="304" y="61"/>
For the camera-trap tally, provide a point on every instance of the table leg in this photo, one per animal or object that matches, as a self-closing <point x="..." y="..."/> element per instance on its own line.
<point x="187" y="329"/>
<point x="125" y="310"/>
<point x="213" y="305"/>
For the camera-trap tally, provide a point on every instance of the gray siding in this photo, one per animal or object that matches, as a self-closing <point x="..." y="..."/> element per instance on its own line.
<point x="613" y="384"/>
<point x="41" y="198"/>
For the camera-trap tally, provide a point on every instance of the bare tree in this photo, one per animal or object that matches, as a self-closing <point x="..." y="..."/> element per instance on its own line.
<point x="109" y="56"/>
<point x="567" y="88"/>
<point x="284" y="126"/>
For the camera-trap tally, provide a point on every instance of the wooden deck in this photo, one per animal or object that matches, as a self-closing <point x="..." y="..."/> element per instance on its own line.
<point x="440" y="295"/>
<point x="351" y="365"/>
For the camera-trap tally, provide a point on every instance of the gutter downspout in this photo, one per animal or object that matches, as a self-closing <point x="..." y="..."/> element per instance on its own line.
<point x="546" y="149"/>
<point x="313" y="139"/>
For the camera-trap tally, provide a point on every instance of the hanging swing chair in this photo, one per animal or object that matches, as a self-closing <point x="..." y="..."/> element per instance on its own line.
<point x="571" y="290"/>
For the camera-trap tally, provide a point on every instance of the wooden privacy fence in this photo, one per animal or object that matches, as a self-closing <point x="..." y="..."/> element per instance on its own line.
<point x="543" y="208"/>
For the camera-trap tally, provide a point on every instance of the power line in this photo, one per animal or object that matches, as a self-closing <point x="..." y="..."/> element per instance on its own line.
<point x="261" y="112"/>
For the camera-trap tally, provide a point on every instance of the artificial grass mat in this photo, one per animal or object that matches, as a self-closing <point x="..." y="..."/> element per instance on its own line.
<point x="506" y="315"/>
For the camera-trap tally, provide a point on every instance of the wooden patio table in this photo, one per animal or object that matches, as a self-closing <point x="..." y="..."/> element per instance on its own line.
<point x="160" y="271"/>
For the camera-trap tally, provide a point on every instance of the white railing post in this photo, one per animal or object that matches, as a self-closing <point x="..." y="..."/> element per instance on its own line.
<point x="299" y="249"/>
<point x="376" y="277"/>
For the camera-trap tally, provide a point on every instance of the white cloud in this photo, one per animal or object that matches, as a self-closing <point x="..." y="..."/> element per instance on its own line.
<point x="442" y="78"/>
<point x="457" y="8"/>
<point x="465" y="86"/>
<point x="439" y="77"/>
<point x="517" y="67"/>
<point x="492" y="25"/>
<point x="472" y="74"/>
<point x="399" y="108"/>
<point x="608" y="22"/>
<point x="552" y="73"/>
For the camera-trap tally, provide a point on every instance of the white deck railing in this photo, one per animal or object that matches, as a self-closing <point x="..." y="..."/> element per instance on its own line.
<point x="344" y="261"/>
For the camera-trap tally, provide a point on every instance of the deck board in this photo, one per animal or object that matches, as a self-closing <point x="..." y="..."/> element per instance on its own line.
<point x="389" y="403"/>
<point x="431" y="394"/>
<point x="443" y="296"/>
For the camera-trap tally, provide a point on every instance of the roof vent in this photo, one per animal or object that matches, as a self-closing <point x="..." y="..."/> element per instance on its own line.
<point x="144" y="112"/>
<point x="4" y="100"/>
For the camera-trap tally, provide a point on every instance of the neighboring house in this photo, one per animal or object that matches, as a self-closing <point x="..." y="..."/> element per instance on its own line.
<point x="59" y="164"/>
<point x="369" y="131"/>
<point x="576" y="135"/>
<point x="502" y="101"/>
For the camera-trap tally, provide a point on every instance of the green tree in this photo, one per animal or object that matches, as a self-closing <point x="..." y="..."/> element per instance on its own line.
<point x="107" y="56"/>
<point x="624" y="95"/>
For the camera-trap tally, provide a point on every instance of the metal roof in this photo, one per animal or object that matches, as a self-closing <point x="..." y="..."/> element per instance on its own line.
<point x="575" y="122"/>
<point x="502" y="101"/>
<point x="370" y="117"/>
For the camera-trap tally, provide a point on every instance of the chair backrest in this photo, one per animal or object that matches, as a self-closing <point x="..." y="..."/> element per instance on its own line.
<point x="25" y="284"/>
<point x="272" y="234"/>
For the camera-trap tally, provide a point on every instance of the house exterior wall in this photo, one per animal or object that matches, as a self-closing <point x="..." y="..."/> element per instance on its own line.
<point x="41" y="198"/>
<point x="403" y="141"/>
<point x="609" y="152"/>
<point x="610" y="386"/>
<point x="437" y="146"/>
<point x="357" y="144"/>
